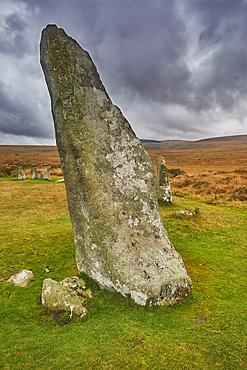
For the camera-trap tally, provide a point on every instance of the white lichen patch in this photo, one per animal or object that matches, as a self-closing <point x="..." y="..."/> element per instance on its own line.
<point x="139" y="297"/>
<point x="133" y="222"/>
<point x="100" y="96"/>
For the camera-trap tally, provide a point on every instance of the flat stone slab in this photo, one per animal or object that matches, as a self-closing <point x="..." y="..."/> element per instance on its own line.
<point x="110" y="181"/>
<point x="23" y="278"/>
<point x="69" y="294"/>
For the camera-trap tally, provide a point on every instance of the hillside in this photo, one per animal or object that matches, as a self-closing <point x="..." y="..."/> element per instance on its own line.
<point x="227" y="138"/>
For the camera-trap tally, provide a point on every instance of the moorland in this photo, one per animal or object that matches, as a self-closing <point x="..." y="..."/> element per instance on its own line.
<point x="205" y="331"/>
<point x="211" y="169"/>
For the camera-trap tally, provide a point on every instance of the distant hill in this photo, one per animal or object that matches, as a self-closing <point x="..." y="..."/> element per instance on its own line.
<point x="220" y="138"/>
<point x="186" y="144"/>
<point x="226" y="138"/>
<point x="146" y="141"/>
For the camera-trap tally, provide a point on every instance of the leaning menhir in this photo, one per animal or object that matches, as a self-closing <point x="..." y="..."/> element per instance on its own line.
<point x="110" y="182"/>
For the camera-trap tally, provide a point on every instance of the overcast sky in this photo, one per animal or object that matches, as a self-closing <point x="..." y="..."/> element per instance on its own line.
<point x="176" y="68"/>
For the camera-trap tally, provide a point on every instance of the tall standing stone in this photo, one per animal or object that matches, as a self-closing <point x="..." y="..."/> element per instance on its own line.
<point x="21" y="174"/>
<point x="110" y="182"/>
<point x="165" y="193"/>
<point x="34" y="174"/>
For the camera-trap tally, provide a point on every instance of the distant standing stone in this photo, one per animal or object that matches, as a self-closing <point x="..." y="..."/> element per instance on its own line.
<point x="110" y="182"/>
<point x="45" y="174"/>
<point x="34" y="174"/>
<point x="23" y="278"/>
<point x="165" y="193"/>
<point x="21" y="174"/>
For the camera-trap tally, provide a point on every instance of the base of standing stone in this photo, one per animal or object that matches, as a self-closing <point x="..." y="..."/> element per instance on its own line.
<point x="165" y="194"/>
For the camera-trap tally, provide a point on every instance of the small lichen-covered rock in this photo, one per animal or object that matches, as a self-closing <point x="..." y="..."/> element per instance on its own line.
<point x="110" y="182"/>
<point x="34" y="174"/>
<point x="67" y="295"/>
<point x="165" y="194"/>
<point x="45" y="174"/>
<point x="23" y="278"/>
<point x="185" y="213"/>
<point x="21" y="174"/>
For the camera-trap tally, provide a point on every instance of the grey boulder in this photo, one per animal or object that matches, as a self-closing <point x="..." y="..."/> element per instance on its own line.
<point x="23" y="278"/>
<point x="69" y="294"/>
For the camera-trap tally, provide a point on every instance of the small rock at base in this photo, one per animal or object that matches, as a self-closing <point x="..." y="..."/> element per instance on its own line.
<point x="185" y="213"/>
<point x="23" y="278"/>
<point x="68" y="295"/>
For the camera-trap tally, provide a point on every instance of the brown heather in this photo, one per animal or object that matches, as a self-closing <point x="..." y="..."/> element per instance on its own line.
<point x="215" y="171"/>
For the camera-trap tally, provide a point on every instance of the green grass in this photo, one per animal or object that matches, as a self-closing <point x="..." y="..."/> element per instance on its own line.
<point x="206" y="331"/>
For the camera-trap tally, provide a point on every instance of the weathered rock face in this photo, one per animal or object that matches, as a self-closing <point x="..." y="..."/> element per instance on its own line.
<point x="45" y="174"/>
<point x="165" y="193"/>
<point x="69" y="294"/>
<point x="110" y="182"/>
<point x="34" y="174"/>
<point x="23" y="278"/>
<point x="21" y="174"/>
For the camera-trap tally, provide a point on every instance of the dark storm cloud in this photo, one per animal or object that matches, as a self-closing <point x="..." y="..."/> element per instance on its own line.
<point x="223" y="42"/>
<point x="176" y="68"/>
<point x="141" y="48"/>
<point x="14" y="40"/>
<point x="17" y="119"/>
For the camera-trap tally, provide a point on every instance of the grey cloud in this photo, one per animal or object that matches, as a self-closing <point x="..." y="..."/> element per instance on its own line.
<point x="13" y="35"/>
<point x="19" y="118"/>
<point x="221" y="77"/>
<point x="147" y="45"/>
